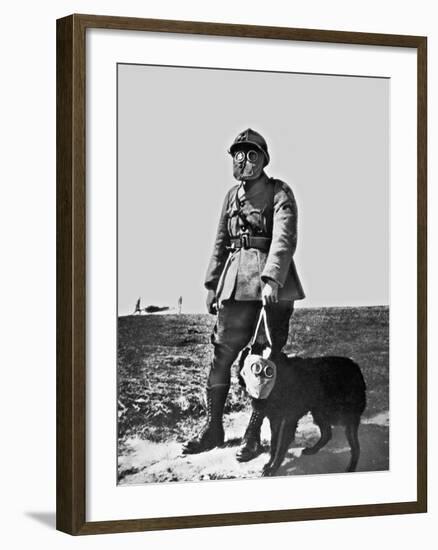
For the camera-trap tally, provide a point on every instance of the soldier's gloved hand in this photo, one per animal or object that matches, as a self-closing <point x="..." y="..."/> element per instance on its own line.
<point x="211" y="302"/>
<point x="270" y="292"/>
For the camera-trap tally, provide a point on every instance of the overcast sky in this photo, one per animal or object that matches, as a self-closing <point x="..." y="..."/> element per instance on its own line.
<point x="328" y="139"/>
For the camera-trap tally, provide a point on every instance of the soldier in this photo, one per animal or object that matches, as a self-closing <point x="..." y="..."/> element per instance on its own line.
<point x="251" y="264"/>
<point x="137" y="307"/>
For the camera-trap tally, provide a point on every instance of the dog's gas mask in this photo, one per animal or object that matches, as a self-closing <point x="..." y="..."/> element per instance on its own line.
<point x="258" y="371"/>
<point x="259" y="375"/>
<point x="248" y="164"/>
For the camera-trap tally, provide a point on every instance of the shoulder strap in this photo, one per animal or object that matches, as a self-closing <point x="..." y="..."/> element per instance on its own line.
<point x="272" y="193"/>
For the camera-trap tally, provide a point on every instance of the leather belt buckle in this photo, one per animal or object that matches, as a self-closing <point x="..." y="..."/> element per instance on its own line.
<point x="244" y="241"/>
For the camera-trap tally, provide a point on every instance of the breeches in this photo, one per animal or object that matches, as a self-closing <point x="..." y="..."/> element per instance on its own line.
<point x="235" y="325"/>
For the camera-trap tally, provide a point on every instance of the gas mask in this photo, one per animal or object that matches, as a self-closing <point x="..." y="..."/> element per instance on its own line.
<point x="259" y="375"/>
<point x="248" y="164"/>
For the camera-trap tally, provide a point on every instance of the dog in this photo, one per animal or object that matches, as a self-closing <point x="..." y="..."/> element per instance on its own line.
<point x="331" y="388"/>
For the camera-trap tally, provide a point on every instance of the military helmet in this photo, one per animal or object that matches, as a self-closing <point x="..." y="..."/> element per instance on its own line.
<point x="251" y="137"/>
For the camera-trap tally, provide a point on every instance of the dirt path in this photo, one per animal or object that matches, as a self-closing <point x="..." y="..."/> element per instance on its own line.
<point x="147" y="462"/>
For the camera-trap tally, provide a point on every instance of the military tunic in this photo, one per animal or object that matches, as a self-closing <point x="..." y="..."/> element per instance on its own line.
<point x="268" y="209"/>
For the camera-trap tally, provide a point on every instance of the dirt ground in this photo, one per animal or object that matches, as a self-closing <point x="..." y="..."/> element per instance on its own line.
<point x="148" y="462"/>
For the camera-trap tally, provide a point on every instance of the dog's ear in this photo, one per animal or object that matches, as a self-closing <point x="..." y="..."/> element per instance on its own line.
<point x="243" y="355"/>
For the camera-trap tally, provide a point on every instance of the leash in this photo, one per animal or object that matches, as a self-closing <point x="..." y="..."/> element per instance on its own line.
<point x="263" y="316"/>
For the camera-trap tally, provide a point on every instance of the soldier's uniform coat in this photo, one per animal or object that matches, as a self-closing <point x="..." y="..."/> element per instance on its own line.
<point x="268" y="209"/>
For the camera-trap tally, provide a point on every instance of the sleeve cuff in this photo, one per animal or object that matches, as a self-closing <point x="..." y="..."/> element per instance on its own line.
<point x="266" y="278"/>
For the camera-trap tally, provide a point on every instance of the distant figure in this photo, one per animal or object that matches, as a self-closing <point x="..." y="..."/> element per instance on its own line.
<point x="137" y="307"/>
<point x="179" y="304"/>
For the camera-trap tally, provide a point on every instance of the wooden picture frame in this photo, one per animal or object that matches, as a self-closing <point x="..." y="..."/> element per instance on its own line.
<point x="71" y="273"/>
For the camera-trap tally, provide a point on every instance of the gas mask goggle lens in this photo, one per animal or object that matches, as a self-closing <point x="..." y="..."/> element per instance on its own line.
<point x="251" y="156"/>
<point x="266" y="370"/>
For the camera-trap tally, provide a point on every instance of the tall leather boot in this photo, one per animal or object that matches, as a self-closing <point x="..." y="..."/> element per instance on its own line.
<point x="251" y="446"/>
<point x="212" y="434"/>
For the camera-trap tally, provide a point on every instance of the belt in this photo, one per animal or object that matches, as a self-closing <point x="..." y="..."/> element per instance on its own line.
<point x="248" y="241"/>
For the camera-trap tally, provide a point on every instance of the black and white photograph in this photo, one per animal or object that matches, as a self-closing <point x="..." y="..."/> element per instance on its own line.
<point x="253" y="274"/>
<point x="221" y="218"/>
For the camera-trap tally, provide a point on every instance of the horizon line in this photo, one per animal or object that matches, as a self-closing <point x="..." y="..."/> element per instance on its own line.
<point x="172" y="311"/>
